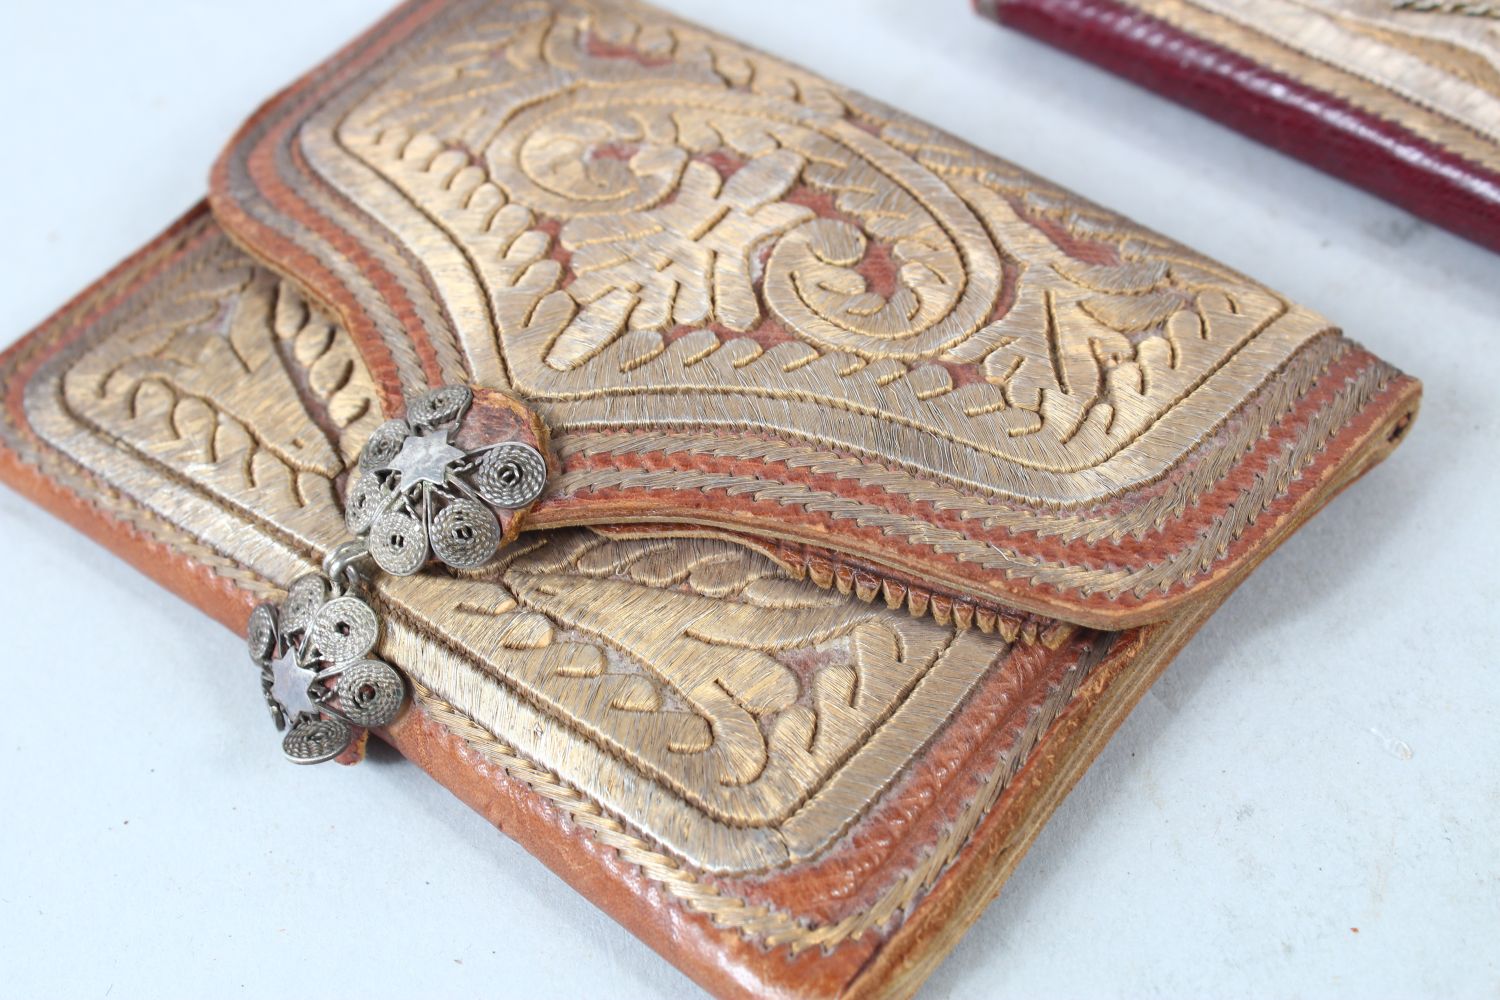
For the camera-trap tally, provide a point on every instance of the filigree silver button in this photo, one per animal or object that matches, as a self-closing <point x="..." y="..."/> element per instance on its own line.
<point x="420" y="494"/>
<point x="320" y="680"/>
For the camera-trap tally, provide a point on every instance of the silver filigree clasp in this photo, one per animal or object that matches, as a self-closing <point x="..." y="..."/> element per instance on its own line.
<point x="421" y="491"/>
<point x="439" y="481"/>
<point x="321" y="680"/>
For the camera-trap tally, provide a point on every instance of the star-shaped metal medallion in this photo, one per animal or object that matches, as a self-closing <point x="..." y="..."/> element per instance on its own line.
<point x="290" y="682"/>
<point x="323" y="684"/>
<point x="425" y="458"/>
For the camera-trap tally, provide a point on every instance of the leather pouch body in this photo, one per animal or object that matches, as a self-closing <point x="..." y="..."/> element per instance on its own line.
<point x="888" y="475"/>
<point x="1401" y="97"/>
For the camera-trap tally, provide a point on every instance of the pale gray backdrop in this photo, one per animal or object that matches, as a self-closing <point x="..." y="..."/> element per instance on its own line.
<point x="1305" y="805"/>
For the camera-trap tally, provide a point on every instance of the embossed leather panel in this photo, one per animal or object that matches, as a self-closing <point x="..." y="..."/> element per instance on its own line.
<point x="1401" y="97"/>
<point x="747" y="300"/>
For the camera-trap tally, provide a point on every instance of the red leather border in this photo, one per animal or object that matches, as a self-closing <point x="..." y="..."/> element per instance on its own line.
<point x="1382" y="156"/>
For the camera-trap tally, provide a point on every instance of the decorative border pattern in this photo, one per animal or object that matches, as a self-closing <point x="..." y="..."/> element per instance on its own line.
<point x="771" y="926"/>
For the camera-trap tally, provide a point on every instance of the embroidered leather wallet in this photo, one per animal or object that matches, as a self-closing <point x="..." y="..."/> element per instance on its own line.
<point x="881" y="476"/>
<point x="1401" y="97"/>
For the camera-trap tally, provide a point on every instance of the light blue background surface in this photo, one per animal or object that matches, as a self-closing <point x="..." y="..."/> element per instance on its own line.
<point x="1324" y="757"/>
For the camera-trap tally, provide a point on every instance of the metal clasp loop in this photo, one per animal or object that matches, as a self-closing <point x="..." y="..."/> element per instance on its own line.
<point x="341" y="564"/>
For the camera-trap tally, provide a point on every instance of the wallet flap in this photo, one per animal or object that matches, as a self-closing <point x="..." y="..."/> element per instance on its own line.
<point x="746" y="301"/>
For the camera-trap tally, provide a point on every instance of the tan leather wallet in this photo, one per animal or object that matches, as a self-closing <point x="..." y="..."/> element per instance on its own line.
<point x="879" y="478"/>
